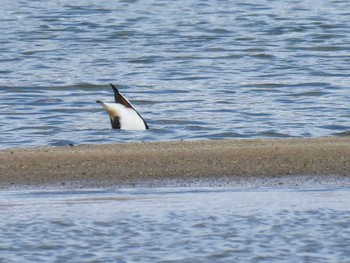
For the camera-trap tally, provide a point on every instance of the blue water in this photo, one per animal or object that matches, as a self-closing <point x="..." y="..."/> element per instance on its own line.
<point x="176" y="225"/>
<point x="211" y="69"/>
<point x="194" y="69"/>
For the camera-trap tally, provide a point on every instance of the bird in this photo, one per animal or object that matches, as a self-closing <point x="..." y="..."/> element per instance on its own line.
<point x="122" y="114"/>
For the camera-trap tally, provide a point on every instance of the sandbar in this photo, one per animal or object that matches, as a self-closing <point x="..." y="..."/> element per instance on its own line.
<point x="240" y="162"/>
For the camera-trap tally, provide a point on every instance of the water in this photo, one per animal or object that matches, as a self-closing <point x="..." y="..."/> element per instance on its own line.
<point x="176" y="225"/>
<point x="194" y="69"/>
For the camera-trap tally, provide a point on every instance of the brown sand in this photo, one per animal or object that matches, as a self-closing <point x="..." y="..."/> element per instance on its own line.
<point x="224" y="162"/>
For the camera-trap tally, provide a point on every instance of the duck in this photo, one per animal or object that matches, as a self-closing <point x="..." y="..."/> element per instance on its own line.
<point x="122" y="114"/>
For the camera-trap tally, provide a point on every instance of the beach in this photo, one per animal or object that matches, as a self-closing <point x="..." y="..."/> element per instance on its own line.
<point x="244" y="162"/>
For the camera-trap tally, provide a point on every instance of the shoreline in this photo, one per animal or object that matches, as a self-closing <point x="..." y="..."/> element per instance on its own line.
<point x="239" y="162"/>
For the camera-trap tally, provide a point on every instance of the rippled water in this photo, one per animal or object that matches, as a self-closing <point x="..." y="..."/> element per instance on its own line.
<point x="176" y="225"/>
<point x="194" y="69"/>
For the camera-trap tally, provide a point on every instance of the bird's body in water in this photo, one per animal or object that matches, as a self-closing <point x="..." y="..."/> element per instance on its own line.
<point x="122" y="114"/>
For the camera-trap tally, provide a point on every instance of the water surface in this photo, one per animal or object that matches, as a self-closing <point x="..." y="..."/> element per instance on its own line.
<point x="176" y="225"/>
<point x="194" y="69"/>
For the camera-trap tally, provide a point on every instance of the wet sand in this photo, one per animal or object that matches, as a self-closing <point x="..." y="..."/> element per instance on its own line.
<point x="256" y="162"/>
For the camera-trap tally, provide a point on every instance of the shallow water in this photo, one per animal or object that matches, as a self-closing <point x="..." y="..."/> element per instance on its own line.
<point x="194" y="69"/>
<point x="176" y="225"/>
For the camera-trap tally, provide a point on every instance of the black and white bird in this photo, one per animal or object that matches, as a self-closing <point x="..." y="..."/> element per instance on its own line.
<point x="122" y="114"/>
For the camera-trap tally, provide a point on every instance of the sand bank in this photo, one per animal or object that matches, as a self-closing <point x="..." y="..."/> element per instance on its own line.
<point x="222" y="162"/>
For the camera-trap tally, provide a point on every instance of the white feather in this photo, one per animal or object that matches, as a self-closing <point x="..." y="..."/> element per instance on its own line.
<point x="128" y="117"/>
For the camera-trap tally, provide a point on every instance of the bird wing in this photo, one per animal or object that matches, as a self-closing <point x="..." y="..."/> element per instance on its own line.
<point x="119" y="98"/>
